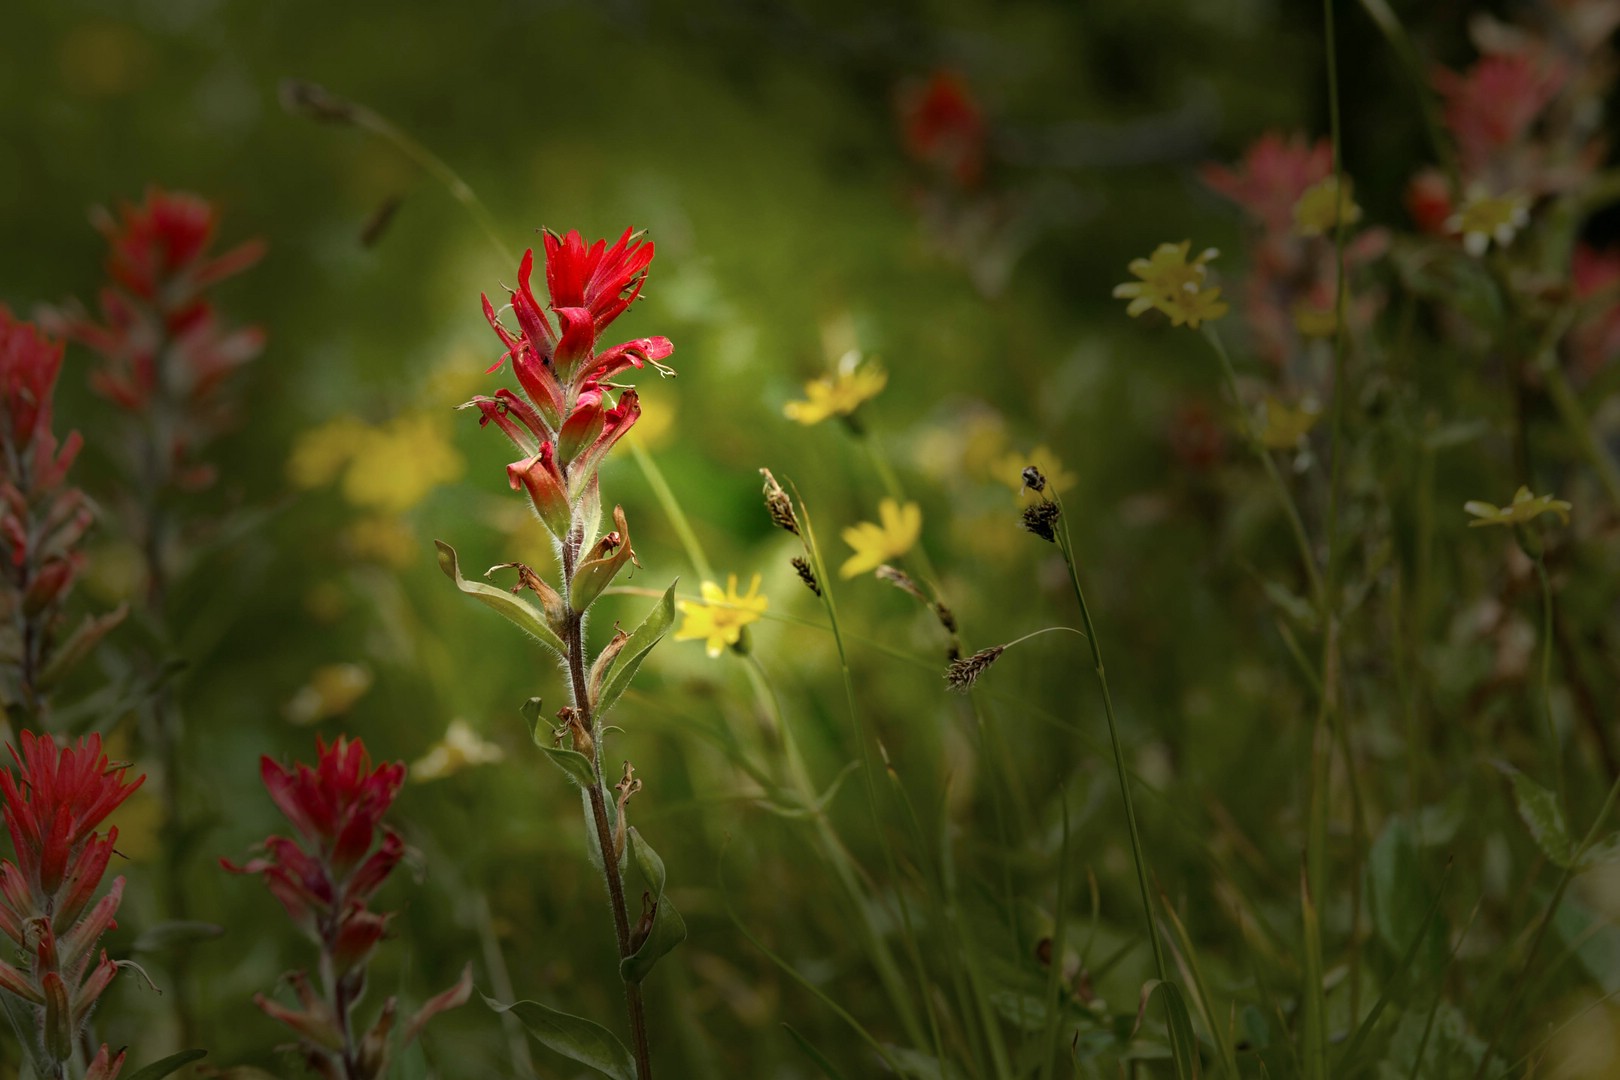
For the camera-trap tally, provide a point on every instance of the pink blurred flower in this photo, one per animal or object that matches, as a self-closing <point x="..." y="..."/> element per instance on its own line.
<point x="158" y="249"/>
<point x="1275" y="171"/>
<point x="1490" y="108"/>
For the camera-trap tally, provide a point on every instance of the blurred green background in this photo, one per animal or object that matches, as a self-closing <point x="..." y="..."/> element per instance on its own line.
<point x="760" y="145"/>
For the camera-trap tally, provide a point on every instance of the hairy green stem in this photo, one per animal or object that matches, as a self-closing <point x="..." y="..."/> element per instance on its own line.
<point x="574" y="638"/>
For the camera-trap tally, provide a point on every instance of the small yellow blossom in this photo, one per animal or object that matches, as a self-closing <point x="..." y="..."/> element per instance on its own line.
<point x="1010" y="471"/>
<point x="331" y="691"/>
<point x="1286" y="426"/>
<point x="389" y="467"/>
<point x="1524" y="509"/>
<point x="1484" y="218"/>
<point x="399" y="463"/>
<point x="1317" y="211"/>
<point x="461" y="748"/>
<point x="320" y="454"/>
<point x="1313" y="321"/>
<point x="1173" y="285"/>
<point x="383" y="539"/>
<point x="718" y="620"/>
<point x="876" y="544"/>
<point x="840" y="393"/>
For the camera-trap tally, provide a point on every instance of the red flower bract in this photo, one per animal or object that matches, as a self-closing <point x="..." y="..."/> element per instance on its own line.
<point x="52" y="809"/>
<point x="29" y="364"/>
<point x="337" y="805"/>
<point x="564" y="423"/>
<point x="159" y="244"/>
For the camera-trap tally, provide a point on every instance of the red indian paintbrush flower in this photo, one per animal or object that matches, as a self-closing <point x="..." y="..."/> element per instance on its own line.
<point x="42" y="520"/>
<point x="52" y="809"/>
<point x="160" y="338"/>
<point x="1275" y="171"/>
<point x="945" y="128"/>
<point x="158" y="250"/>
<point x="565" y="421"/>
<point x="325" y="879"/>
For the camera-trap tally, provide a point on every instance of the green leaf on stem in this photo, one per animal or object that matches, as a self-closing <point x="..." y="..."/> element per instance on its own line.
<point x="518" y="611"/>
<point x="634" y="651"/>
<point x="575" y="765"/>
<point x="165" y="1066"/>
<point x="573" y="1037"/>
<point x="667" y="928"/>
<point x="1539" y="810"/>
<point x="1182" y="1039"/>
<point x="78" y="644"/>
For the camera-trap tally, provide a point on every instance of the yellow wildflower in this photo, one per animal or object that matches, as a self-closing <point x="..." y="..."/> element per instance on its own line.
<point x="383" y="539"/>
<point x="876" y="544"/>
<point x="840" y="393"/>
<point x="1286" y="426"/>
<point x="1010" y="470"/>
<point x="718" y="620"/>
<point x="390" y="467"/>
<point x="320" y="454"/>
<point x="1173" y="285"/>
<point x="461" y="748"/>
<point x="1318" y="210"/>
<point x="396" y="465"/>
<point x="1484" y="218"/>
<point x="1524" y="509"/>
<point x="331" y="691"/>
<point x="1313" y="321"/>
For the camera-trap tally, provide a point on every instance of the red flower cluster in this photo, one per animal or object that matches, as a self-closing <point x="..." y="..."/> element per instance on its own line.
<point x="1290" y="295"/>
<point x="41" y="519"/>
<point x="565" y="422"/>
<point x="52" y="810"/>
<point x="159" y="336"/>
<point x="325" y="879"/>
<point x="944" y="128"/>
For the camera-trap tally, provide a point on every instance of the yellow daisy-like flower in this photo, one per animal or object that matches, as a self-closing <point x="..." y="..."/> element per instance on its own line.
<point x="461" y="748"/>
<point x="1010" y="470"/>
<point x="1484" y="218"/>
<point x="1524" y="509"/>
<point x="1286" y="426"/>
<point x="718" y="620"/>
<point x="1318" y="210"/>
<point x="1173" y="285"/>
<point x="853" y="383"/>
<point x="876" y="544"/>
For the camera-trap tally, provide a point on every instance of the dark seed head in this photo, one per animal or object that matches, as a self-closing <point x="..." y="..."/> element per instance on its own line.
<point x="1039" y="518"/>
<point x="960" y="675"/>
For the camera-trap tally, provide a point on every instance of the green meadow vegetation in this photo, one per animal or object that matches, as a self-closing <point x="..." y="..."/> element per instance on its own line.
<point x="799" y="540"/>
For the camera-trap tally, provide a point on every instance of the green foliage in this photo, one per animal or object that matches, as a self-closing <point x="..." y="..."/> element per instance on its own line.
<point x="573" y="1037"/>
